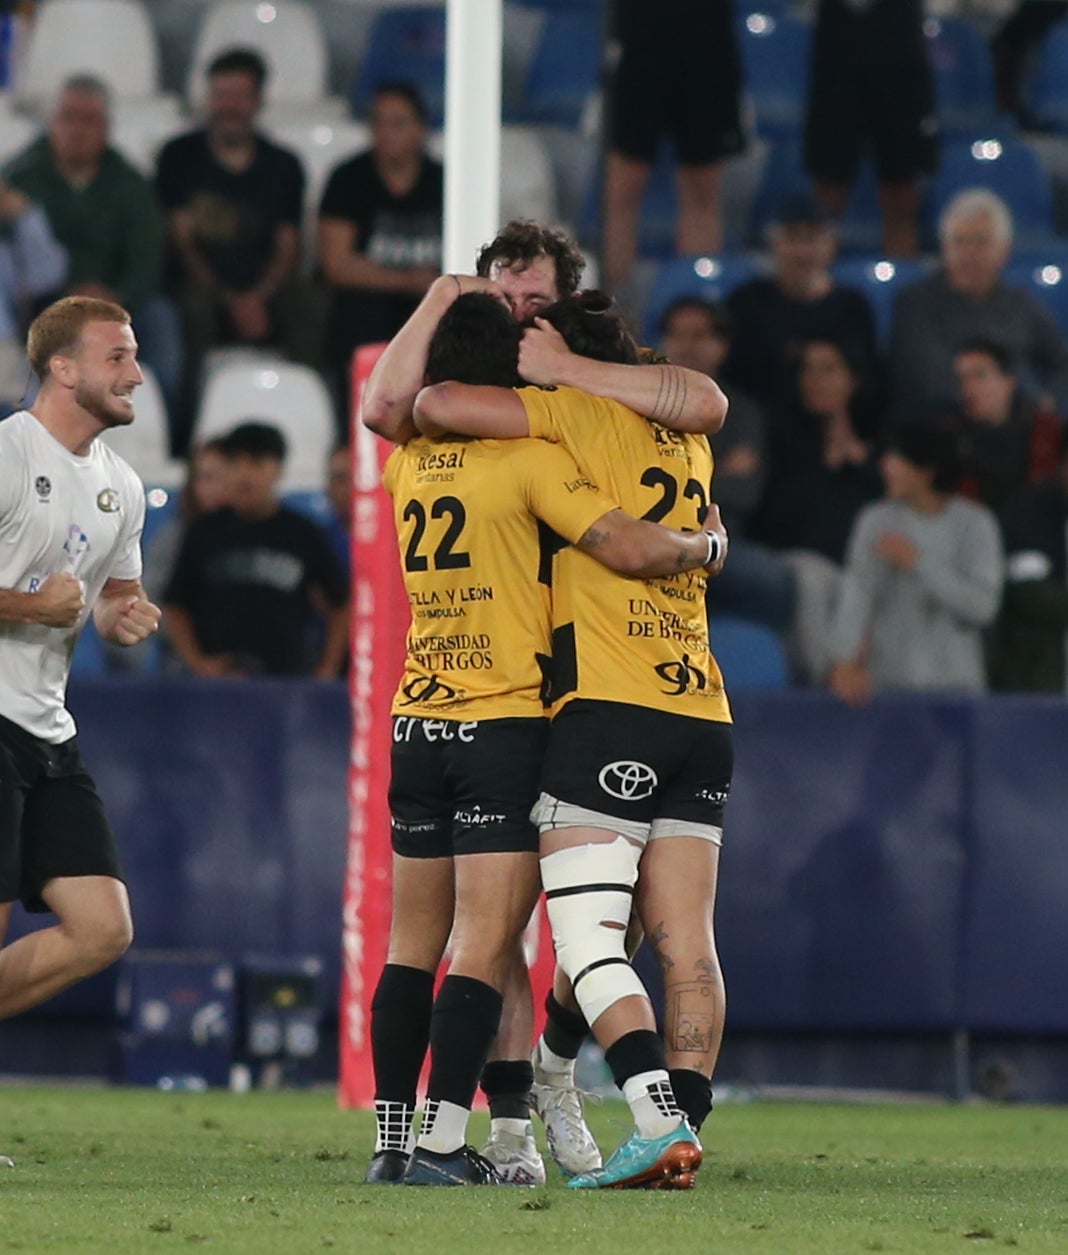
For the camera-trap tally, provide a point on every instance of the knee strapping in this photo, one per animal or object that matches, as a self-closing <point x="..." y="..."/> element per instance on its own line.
<point x="588" y="892"/>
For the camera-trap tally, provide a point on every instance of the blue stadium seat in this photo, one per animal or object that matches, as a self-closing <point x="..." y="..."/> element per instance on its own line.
<point x="656" y="221"/>
<point x="1005" y="166"/>
<point x="1045" y="273"/>
<point x="314" y="504"/>
<point x="784" y="177"/>
<point x="1046" y="96"/>
<point x="707" y="278"/>
<point x="89" y="657"/>
<point x="750" y="655"/>
<point x="963" y="74"/>
<point x="565" y="69"/>
<point x="879" y="278"/>
<point x="775" y="51"/>
<point x="406" y="44"/>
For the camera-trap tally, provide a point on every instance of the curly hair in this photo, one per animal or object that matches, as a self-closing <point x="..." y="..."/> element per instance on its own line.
<point x="476" y="342"/>
<point x="592" y="328"/>
<point x="521" y="242"/>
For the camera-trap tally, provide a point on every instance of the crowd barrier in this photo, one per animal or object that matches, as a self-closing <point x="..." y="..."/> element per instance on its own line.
<point x="901" y="868"/>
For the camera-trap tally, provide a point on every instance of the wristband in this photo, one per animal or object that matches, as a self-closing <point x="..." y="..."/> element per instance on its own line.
<point x="715" y="548"/>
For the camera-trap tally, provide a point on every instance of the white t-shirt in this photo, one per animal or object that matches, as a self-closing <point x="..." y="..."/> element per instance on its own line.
<point x="58" y="512"/>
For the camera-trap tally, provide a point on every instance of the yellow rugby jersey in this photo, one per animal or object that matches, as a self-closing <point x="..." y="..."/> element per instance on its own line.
<point x="466" y="514"/>
<point x="643" y="642"/>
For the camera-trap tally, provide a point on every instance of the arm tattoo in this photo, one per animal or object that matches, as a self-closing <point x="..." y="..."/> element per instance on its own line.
<point x="671" y="395"/>
<point x="593" y="538"/>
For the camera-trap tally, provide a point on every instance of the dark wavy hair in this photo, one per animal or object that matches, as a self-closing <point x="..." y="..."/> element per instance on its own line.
<point x="521" y="241"/>
<point x="593" y="328"/>
<point x="931" y="447"/>
<point x="477" y="342"/>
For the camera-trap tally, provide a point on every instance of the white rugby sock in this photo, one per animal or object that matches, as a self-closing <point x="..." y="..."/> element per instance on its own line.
<point x="444" y="1127"/>
<point x="513" y="1127"/>
<point x="393" y="1126"/>
<point x="546" y="1062"/>
<point x="652" y="1103"/>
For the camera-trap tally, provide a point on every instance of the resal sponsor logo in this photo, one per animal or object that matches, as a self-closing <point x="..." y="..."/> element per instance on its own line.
<point x="107" y="500"/>
<point x="628" y="781"/>
<point x="44" y="487"/>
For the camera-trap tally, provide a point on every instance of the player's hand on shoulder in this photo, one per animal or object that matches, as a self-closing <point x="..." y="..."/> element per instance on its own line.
<point x="543" y="353"/>
<point x="59" y="601"/>
<point x="138" y="618"/>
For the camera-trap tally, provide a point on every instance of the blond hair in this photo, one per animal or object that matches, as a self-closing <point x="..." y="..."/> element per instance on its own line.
<point x="58" y="329"/>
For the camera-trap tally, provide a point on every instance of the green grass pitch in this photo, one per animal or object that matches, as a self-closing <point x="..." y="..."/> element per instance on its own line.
<point x="131" y="1171"/>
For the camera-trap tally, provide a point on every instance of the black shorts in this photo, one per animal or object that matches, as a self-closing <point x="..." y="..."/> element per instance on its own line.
<point x="871" y="91"/>
<point x="465" y="788"/>
<point x="638" y="764"/>
<point x="683" y="85"/>
<point x="52" y="821"/>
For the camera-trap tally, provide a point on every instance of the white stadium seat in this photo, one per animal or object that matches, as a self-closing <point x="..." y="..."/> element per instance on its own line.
<point x="286" y="33"/>
<point x="528" y="183"/>
<point x="145" y="443"/>
<point x="291" y="397"/>
<point x="113" y="40"/>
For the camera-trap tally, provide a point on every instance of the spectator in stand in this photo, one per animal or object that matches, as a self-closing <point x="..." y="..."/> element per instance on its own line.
<point x="823" y="471"/>
<point x="1007" y="441"/>
<point x="234" y="202"/>
<point x="250" y="577"/>
<point x="1027" y="648"/>
<point x="380" y="228"/>
<point x="754" y="585"/>
<point x="339" y="492"/>
<point x="105" y="214"/>
<point x="966" y="299"/>
<point x="871" y="89"/>
<point x="32" y="264"/>
<point x="1015" y="48"/>
<point x="774" y="317"/>
<point x="206" y="489"/>
<point x="923" y="578"/>
<point x="696" y="334"/>
<point x="678" y="78"/>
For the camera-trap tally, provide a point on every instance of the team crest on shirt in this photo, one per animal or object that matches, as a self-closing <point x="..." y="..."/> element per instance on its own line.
<point x="107" y="500"/>
<point x="44" y="487"/>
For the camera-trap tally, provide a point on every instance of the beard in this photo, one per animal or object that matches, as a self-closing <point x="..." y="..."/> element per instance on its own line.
<point x="104" y="406"/>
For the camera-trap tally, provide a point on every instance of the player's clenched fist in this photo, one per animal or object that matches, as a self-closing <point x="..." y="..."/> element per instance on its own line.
<point x="137" y="619"/>
<point x="59" y="601"/>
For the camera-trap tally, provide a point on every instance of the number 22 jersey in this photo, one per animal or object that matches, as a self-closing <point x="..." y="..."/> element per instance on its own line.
<point x="466" y="513"/>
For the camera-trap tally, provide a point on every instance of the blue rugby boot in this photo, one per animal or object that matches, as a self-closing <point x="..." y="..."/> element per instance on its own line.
<point x="669" y="1162"/>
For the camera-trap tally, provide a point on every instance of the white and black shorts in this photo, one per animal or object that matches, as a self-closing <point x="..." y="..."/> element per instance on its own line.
<point x="464" y="788"/>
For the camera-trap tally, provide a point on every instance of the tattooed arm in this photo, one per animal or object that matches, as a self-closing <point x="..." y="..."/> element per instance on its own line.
<point x="684" y="400"/>
<point x="643" y="550"/>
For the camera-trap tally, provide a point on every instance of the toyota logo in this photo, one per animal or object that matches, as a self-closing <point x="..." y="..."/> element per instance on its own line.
<point x="630" y="782"/>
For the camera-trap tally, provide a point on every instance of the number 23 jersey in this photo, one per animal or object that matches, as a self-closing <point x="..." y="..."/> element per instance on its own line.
<point x="642" y="642"/>
<point x="466" y="513"/>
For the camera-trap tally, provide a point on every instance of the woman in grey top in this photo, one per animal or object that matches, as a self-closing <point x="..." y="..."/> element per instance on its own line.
<point x="923" y="577"/>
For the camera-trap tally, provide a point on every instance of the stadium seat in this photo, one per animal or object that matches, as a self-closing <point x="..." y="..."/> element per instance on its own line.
<point x="145" y="443"/>
<point x="1005" y="166"/>
<point x="291" y="397"/>
<point x="565" y="70"/>
<point x="1046" y="96"/>
<point x="963" y="74"/>
<point x="139" y="133"/>
<point x="321" y="145"/>
<point x="750" y="655"/>
<point x="287" y="35"/>
<point x="707" y="278"/>
<point x="775" y="51"/>
<point x="1044" y="272"/>
<point x="113" y="40"/>
<point x="784" y="176"/>
<point x="879" y="279"/>
<point x="16" y="133"/>
<point x="406" y="44"/>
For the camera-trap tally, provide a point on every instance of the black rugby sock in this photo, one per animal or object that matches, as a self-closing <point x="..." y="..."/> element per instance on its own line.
<point x="506" y="1083"/>
<point x="400" y="1030"/>
<point x="693" y="1093"/>
<point x="463" y="1024"/>
<point x="565" y="1030"/>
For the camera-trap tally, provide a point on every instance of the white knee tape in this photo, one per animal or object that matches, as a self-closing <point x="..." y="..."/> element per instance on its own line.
<point x="587" y="887"/>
